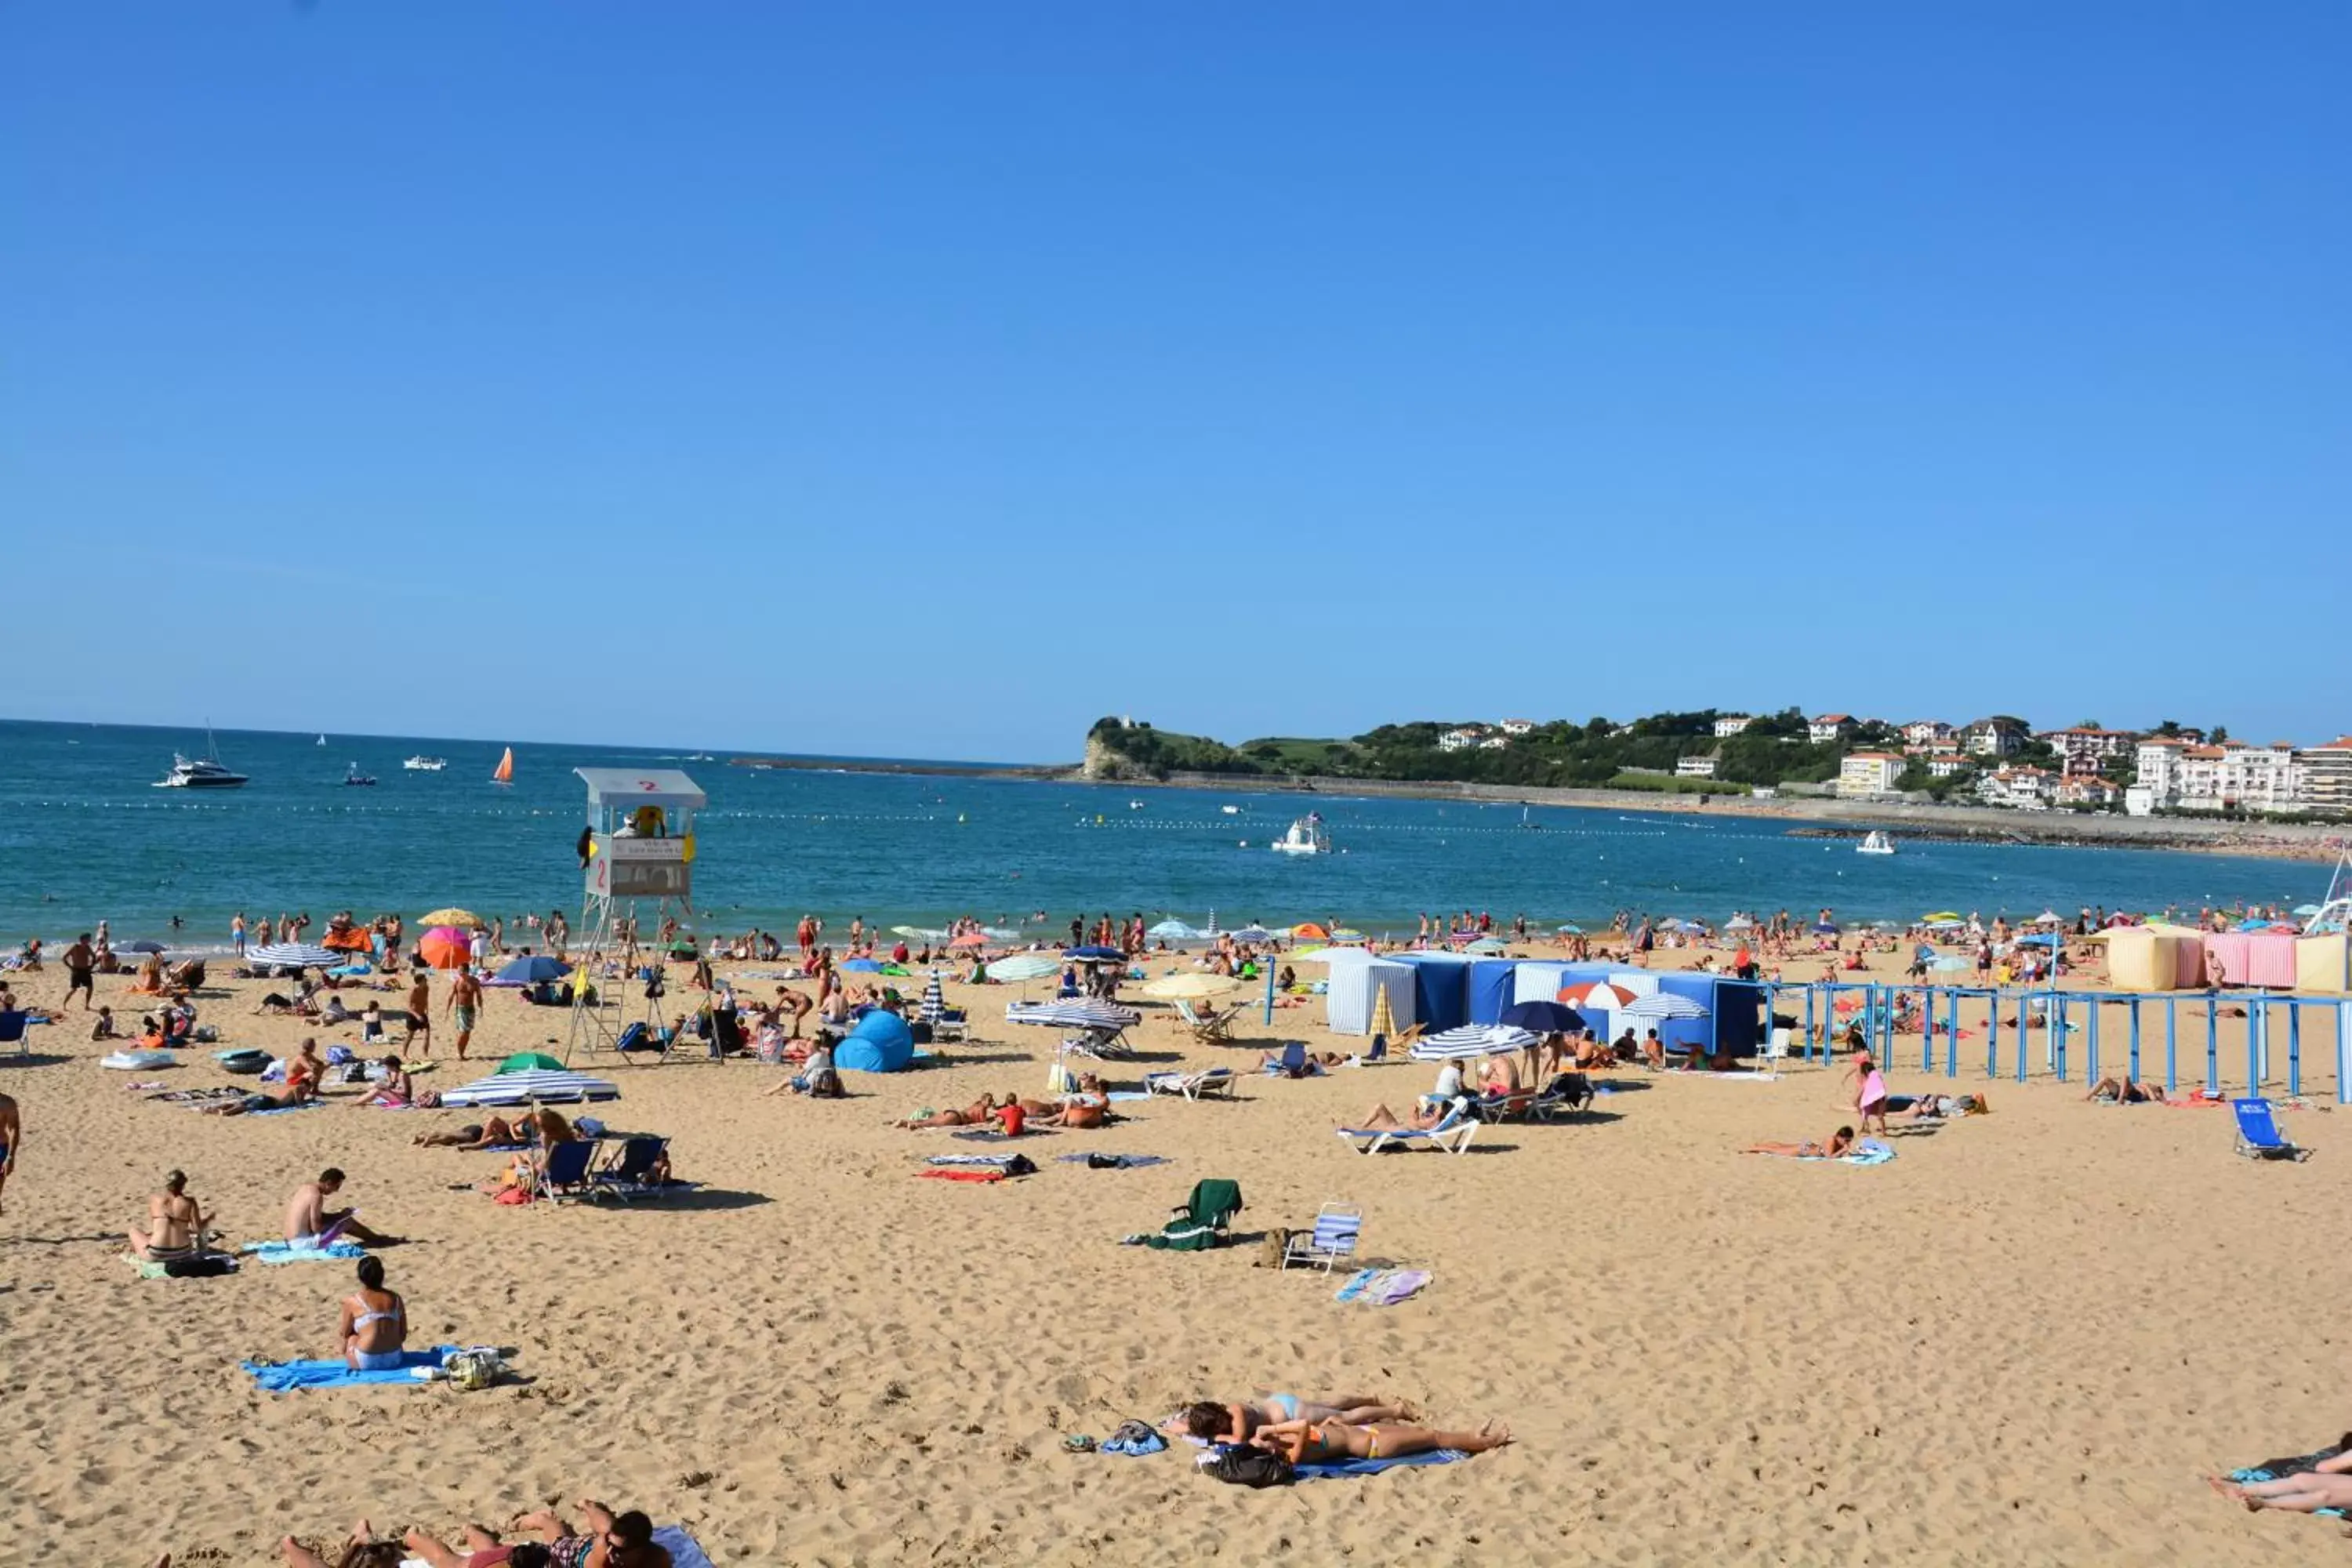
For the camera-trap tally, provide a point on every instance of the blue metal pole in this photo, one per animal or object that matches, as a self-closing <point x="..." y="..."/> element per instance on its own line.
<point x="1952" y="1034"/>
<point x="1992" y="1034"/>
<point x="2257" y="1015"/>
<point x="1810" y="1046"/>
<point x="2135" y="1039"/>
<point x="2024" y="1035"/>
<point x="2091" y="1046"/>
<point x="2294" y="1048"/>
<point x="2172" y="1052"/>
<point x="2057" y="1010"/>
<point x="2213" y="1044"/>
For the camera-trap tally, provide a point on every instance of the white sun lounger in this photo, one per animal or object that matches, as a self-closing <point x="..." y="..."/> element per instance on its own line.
<point x="1453" y="1134"/>
<point x="1193" y="1085"/>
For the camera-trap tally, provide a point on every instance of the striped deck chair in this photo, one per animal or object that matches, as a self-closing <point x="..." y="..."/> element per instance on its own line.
<point x="1338" y="1228"/>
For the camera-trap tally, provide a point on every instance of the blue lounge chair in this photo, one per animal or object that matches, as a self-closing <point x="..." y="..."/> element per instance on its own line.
<point x="12" y="1032"/>
<point x="1293" y="1062"/>
<point x="1338" y="1228"/>
<point x="564" y="1173"/>
<point x="1453" y="1134"/>
<point x="2259" y="1137"/>
<point x="629" y="1173"/>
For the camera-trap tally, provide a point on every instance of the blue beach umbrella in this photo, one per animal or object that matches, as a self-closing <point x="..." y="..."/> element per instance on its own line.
<point x="532" y="971"/>
<point x="1543" y="1018"/>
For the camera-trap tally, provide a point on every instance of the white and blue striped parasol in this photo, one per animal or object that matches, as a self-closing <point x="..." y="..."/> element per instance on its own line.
<point x="1661" y="1005"/>
<point x="1472" y="1040"/>
<point x="521" y="1087"/>
<point x="1073" y="1015"/>
<point x="935" y="1000"/>
<point x="1252" y="933"/>
<point x="295" y="955"/>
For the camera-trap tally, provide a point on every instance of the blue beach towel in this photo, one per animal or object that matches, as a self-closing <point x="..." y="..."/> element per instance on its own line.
<point x="683" y="1551"/>
<point x="1339" y="1469"/>
<point x="283" y="1376"/>
<point x="287" y="1110"/>
<point x="1123" y="1162"/>
<point x="286" y="1252"/>
<point x="1869" y="1151"/>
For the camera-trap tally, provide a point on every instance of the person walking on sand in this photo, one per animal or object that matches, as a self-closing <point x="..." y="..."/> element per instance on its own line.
<point x="11" y="1133"/>
<point x="420" y="1016"/>
<point x="1869" y="1094"/>
<point x="81" y="969"/>
<point x="464" y="1006"/>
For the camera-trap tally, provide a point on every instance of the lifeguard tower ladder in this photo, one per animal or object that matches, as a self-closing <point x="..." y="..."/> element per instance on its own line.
<point x="638" y="845"/>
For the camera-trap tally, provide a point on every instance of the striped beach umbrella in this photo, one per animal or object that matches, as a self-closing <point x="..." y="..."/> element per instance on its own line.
<point x="1252" y="933"/>
<point x="935" y="1000"/>
<point x="1384" y="1016"/>
<point x="523" y="1087"/>
<point x="1471" y="1040"/>
<point x="1024" y="966"/>
<point x="293" y="955"/>
<point x="1663" y="1005"/>
<point x="1598" y="993"/>
<point x="1073" y="1015"/>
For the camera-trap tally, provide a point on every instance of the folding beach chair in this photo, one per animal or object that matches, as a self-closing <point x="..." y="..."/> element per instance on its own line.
<point x="1502" y="1107"/>
<point x="1338" y="1228"/>
<point x="13" y="1024"/>
<point x="2259" y="1137"/>
<point x="1103" y="1044"/>
<point x="1192" y="1085"/>
<point x="563" y="1172"/>
<point x="1212" y="1027"/>
<point x="1200" y="1223"/>
<point x="628" y="1171"/>
<point x="1569" y="1091"/>
<point x="1451" y="1135"/>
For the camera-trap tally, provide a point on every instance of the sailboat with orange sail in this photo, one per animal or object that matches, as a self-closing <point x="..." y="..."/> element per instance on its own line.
<point x="504" y="773"/>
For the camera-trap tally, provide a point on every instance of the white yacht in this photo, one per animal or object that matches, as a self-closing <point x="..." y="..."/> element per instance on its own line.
<point x="425" y="764"/>
<point x="207" y="771"/>
<point x="1875" y="843"/>
<point x="1303" y="837"/>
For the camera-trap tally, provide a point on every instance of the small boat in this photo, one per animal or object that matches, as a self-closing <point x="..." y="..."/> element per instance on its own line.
<point x="504" y="772"/>
<point x="698" y="757"/>
<point x="322" y="739"/>
<point x="354" y="777"/>
<point x="1231" y="810"/>
<point x="425" y="764"/>
<point x="1303" y="837"/>
<point x="1135" y="805"/>
<point x="1875" y="843"/>
<point x="206" y="772"/>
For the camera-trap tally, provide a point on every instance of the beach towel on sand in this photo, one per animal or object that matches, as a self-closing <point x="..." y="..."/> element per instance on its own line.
<point x="2295" y="1465"/>
<point x="286" y="1252"/>
<point x="1382" y="1287"/>
<point x="1337" y="1468"/>
<point x="279" y="1378"/>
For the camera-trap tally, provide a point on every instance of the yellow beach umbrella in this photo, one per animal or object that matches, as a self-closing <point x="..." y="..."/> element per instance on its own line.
<point x="1383" y="1021"/>
<point x="453" y="917"/>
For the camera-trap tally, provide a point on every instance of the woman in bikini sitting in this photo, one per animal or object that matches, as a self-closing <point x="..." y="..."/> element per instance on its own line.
<point x="1304" y="1442"/>
<point x="1215" y="1422"/>
<point x="375" y="1323"/>
<point x="978" y="1113"/>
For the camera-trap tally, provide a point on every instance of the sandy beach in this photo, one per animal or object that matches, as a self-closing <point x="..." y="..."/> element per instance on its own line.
<point x="2024" y="1339"/>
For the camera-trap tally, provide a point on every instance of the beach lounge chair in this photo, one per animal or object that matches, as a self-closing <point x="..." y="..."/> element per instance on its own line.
<point x="1200" y="1223"/>
<point x="1333" y="1240"/>
<point x="953" y="1025"/>
<point x="1453" y="1134"/>
<point x="1192" y="1085"/>
<point x="2259" y="1137"/>
<point x="1212" y="1027"/>
<point x="564" y="1173"/>
<point x="1503" y="1107"/>
<point x="13" y="1030"/>
<point x="1104" y="1044"/>
<point x="628" y="1171"/>
<point x="1567" y="1091"/>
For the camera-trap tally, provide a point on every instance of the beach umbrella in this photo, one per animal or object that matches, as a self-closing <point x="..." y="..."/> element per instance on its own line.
<point x="529" y="1061"/>
<point x="1096" y="954"/>
<point x="1024" y="967"/>
<point x="1383" y="1016"/>
<point x="293" y="955"/>
<point x="2038" y="939"/>
<point x="1487" y="946"/>
<point x="547" y="1088"/>
<point x="971" y="939"/>
<point x="1252" y="933"/>
<point x="1543" y="1018"/>
<point x="144" y="947"/>
<point x="2047" y="918"/>
<point x="531" y="971"/>
<point x="1309" y="930"/>
<point x="1595" y="993"/>
<point x="1346" y="933"/>
<point x="2305" y="909"/>
<point x="1172" y="930"/>
<point x="1740" y="922"/>
<point x="453" y="917"/>
<point x="1073" y="1015"/>
<point x="446" y="947"/>
<point x="1571" y="928"/>
<point x="1471" y="1040"/>
<point x="935" y="1000"/>
<point x="1663" y="1005"/>
<point x="1825" y="928"/>
<point x="1939" y="916"/>
<point x="1189" y="988"/>
<point x="1949" y="965"/>
<point x="916" y="933"/>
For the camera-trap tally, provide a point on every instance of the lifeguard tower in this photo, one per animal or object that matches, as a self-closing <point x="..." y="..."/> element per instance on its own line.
<point x="638" y="845"/>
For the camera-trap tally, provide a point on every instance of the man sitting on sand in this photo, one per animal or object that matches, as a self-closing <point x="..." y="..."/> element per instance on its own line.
<point x="979" y="1113"/>
<point x="614" y="1540"/>
<point x="494" y="1133"/>
<point x="1214" y="1423"/>
<point x="1304" y="1442"/>
<point x="1840" y="1141"/>
<point x="312" y="1225"/>
<point x="175" y="1225"/>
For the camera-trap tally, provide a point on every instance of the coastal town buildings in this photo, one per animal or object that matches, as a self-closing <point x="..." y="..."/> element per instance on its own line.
<point x="2022" y="788"/>
<point x="2324" y="777"/>
<point x="1994" y="738"/>
<point x="1694" y="768"/>
<point x="1928" y="733"/>
<point x="1868" y="773"/>
<point x="1829" y="728"/>
<point x="2084" y="749"/>
<point x="1731" y="725"/>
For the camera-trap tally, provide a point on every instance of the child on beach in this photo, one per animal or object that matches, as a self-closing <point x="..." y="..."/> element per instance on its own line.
<point x="1869" y="1092"/>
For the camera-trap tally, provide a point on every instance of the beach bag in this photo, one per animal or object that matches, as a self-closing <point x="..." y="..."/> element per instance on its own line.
<point x="1247" y="1466"/>
<point x="475" y="1369"/>
<point x="202" y="1268"/>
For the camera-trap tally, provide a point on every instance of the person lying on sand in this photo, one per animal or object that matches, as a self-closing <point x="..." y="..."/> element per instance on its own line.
<point x="2307" y="1492"/>
<point x="494" y="1133"/>
<point x="175" y="1223"/>
<point x="361" y="1551"/>
<point x="978" y="1113"/>
<point x="1090" y="1106"/>
<point x="1840" y="1141"/>
<point x="269" y="1097"/>
<point x="310" y="1223"/>
<point x="614" y="1540"/>
<point x="1304" y="1442"/>
<point x="1935" y="1107"/>
<point x="1272" y="1062"/>
<point x="2123" y="1091"/>
<point x="1381" y="1119"/>
<point x="1214" y="1423"/>
<point x="482" y="1549"/>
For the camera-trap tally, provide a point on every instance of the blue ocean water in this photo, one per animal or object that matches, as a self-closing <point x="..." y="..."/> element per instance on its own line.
<point x="83" y="836"/>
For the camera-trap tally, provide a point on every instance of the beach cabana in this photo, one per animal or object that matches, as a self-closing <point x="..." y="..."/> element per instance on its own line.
<point x="1494" y="985"/>
<point x="2322" y="965"/>
<point x="1355" y="983"/>
<point x="1441" y="988"/>
<point x="2155" y="958"/>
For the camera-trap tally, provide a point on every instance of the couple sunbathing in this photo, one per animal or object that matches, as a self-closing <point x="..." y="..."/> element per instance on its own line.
<point x="1310" y="1432"/>
<point x="612" y="1541"/>
<point x="1087" y="1106"/>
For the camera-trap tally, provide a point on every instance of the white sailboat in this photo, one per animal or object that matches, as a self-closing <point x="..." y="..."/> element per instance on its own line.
<point x="1875" y="843"/>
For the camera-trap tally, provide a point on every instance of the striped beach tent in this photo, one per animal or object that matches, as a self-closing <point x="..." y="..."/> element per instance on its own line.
<point x="1472" y="1040"/>
<point x="293" y="955"/>
<point x="522" y="1088"/>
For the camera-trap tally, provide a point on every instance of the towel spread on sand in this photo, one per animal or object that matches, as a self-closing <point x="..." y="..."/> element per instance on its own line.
<point x="2295" y="1465"/>
<point x="1334" y="1470"/>
<point x="286" y="1252"/>
<point x="1113" y="1161"/>
<point x="1382" y="1287"/>
<point x="280" y="1377"/>
<point x="148" y="1269"/>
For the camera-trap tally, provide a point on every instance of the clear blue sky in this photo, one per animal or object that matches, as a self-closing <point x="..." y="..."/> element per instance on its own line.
<point x="931" y="379"/>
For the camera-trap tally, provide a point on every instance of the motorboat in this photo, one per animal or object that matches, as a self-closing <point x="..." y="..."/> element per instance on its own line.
<point x="207" y="771"/>
<point x="1303" y="837"/>
<point x="356" y="778"/>
<point x="425" y="764"/>
<point x="1135" y="805"/>
<point x="1875" y="843"/>
<point x="1231" y="810"/>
